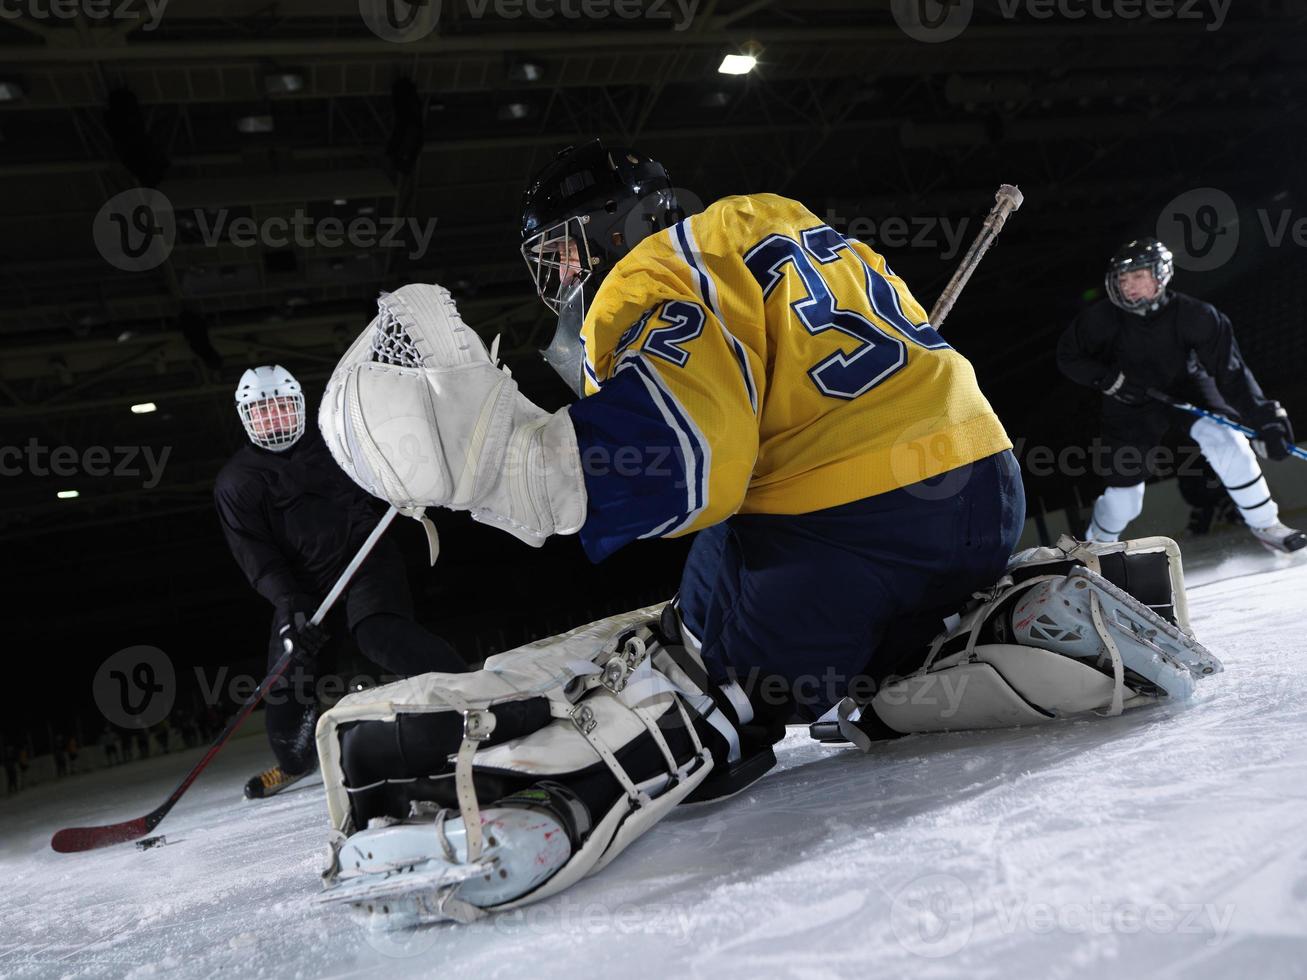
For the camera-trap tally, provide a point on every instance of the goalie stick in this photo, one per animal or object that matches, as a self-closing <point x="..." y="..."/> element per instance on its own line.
<point x="73" y="839"/>
<point x="1008" y="200"/>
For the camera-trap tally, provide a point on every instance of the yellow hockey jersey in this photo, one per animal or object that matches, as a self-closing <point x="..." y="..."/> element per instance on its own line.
<point x="753" y="360"/>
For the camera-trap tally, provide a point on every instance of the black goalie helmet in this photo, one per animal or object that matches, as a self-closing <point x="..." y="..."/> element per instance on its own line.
<point x="1147" y="254"/>
<point x="581" y="215"/>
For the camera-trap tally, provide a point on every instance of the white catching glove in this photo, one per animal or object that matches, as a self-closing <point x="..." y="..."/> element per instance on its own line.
<point x="418" y="414"/>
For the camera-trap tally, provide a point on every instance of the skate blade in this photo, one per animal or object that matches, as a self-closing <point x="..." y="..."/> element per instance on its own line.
<point x="403" y="883"/>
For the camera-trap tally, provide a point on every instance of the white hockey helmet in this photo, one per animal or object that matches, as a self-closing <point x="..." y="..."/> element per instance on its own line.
<point x="271" y="406"/>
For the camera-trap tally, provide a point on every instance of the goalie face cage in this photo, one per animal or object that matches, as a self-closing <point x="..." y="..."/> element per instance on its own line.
<point x="560" y="259"/>
<point x="274" y="423"/>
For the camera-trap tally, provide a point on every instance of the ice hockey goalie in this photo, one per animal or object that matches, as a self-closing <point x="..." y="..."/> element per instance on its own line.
<point x="453" y="796"/>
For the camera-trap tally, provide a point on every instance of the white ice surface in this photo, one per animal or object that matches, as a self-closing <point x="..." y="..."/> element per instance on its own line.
<point x="1169" y="842"/>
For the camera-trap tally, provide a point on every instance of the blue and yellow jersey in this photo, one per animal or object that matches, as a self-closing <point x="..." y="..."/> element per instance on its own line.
<point x="753" y="360"/>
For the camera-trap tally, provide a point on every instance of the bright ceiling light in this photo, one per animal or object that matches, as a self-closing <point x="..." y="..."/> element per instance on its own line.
<point x="144" y="408"/>
<point x="283" y="83"/>
<point x="738" y="64"/>
<point x="514" y="111"/>
<point x="67" y="494"/>
<point x="254" y="124"/>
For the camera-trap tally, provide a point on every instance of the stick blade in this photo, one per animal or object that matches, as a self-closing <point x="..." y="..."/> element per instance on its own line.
<point x="74" y="839"/>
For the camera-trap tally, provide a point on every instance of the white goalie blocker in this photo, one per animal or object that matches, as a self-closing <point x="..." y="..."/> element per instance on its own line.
<point x="1074" y="629"/>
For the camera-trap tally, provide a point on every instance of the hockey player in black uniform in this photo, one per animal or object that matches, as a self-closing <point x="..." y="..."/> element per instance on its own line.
<point x="293" y="521"/>
<point x="1151" y="337"/>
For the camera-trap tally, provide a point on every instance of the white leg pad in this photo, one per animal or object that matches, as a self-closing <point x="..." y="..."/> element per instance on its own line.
<point x="1234" y="461"/>
<point x="1114" y="511"/>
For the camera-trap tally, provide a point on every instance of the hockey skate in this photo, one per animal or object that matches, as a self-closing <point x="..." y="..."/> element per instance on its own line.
<point x="1281" y="539"/>
<point x="272" y="781"/>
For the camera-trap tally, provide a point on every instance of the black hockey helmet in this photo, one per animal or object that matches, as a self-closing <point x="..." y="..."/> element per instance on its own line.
<point x="1144" y="253"/>
<point x="587" y="210"/>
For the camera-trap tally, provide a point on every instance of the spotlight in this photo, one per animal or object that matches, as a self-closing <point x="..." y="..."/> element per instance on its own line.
<point x="254" y="124"/>
<point x="514" y="111"/>
<point x="525" y="71"/>
<point x="11" y="91"/>
<point x="67" y="494"/>
<point x="144" y="408"/>
<point x="283" y="83"/>
<point x="739" y="64"/>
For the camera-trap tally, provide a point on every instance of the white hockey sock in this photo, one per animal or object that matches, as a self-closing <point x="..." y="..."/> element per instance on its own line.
<point x="1114" y="511"/>
<point x="1236" y="464"/>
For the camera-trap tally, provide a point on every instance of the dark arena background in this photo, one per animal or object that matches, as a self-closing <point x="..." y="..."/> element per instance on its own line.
<point x="301" y="157"/>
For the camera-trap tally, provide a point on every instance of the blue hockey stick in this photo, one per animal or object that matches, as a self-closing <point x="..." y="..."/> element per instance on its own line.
<point x="1219" y="419"/>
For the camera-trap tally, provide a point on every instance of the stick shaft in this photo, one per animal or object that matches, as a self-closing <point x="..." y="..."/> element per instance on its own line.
<point x="1007" y="201"/>
<point x="74" y="839"/>
<point x="1161" y="396"/>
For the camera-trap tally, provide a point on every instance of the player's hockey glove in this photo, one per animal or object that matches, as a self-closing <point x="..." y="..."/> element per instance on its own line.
<point x="1117" y="385"/>
<point x="294" y="614"/>
<point x="1274" y="432"/>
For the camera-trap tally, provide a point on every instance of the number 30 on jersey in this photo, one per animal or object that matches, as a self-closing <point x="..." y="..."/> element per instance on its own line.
<point x="880" y="354"/>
